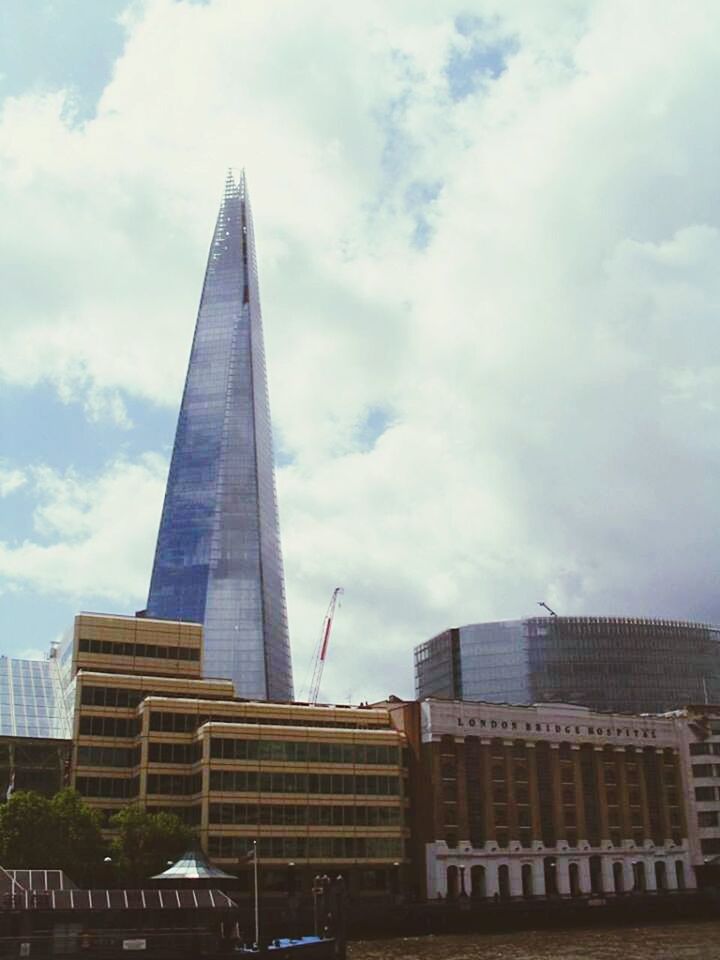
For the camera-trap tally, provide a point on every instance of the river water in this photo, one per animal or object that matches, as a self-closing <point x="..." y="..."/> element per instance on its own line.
<point x="678" y="941"/>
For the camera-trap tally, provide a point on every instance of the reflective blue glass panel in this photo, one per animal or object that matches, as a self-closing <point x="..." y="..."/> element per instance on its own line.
<point x="31" y="700"/>
<point x="218" y="559"/>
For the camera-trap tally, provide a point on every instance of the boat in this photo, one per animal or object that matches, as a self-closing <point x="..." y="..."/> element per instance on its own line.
<point x="289" y="948"/>
<point x="329" y="911"/>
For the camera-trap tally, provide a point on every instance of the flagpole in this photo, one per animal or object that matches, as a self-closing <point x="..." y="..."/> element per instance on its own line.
<point x="257" y="911"/>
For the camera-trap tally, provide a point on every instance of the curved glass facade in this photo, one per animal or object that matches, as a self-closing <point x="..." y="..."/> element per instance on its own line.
<point x="621" y="664"/>
<point x="218" y="559"/>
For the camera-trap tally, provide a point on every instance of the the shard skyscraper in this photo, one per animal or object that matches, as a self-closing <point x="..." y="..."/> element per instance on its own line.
<point x="218" y="559"/>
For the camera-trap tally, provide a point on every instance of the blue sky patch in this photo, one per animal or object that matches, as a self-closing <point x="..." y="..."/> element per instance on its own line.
<point x="52" y="45"/>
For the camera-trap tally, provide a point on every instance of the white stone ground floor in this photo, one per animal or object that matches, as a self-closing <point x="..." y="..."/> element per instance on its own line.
<point x="492" y="872"/>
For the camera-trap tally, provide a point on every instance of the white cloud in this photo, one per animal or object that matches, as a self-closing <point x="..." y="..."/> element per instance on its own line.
<point x="94" y="537"/>
<point x="11" y="479"/>
<point x="548" y="361"/>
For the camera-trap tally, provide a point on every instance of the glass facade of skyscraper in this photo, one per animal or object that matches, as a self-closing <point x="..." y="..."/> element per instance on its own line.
<point x="218" y="559"/>
<point x="622" y="664"/>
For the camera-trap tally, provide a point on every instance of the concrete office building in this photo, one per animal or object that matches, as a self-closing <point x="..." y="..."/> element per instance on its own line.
<point x="617" y="664"/>
<point x="700" y="753"/>
<point x="320" y="788"/>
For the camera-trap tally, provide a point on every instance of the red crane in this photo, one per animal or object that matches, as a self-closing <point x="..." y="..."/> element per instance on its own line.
<point x="322" y="647"/>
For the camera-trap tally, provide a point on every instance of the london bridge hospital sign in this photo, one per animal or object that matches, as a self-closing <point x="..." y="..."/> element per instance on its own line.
<point x="543" y="723"/>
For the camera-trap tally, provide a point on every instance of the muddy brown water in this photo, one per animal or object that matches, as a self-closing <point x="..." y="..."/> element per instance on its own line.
<point x="679" y="941"/>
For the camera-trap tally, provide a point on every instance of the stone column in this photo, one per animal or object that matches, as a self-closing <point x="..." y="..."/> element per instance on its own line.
<point x="670" y="878"/>
<point x="579" y="795"/>
<point x="623" y="794"/>
<point x="602" y="797"/>
<point x="436" y="873"/>
<point x="491" y="878"/>
<point x="665" y="827"/>
<point x="562" y="876"/>
<point x="516" y="889"/>
<point x="462" y="802"/>
<point x="680" y="795"/>
<point x="584" y="875"/>
<point x="436" y="785"/>
<point x="644" y="806"/>
<point x="608" y="880"/>
<point x="534" y="795"/>
<point x="512" y="812"/>
<point x="650" y="883"/>
<point x="628" y="875"/>
<point x="488" y="812"/>
<point x="538" y="874"/>
<point x="557" y="805"/>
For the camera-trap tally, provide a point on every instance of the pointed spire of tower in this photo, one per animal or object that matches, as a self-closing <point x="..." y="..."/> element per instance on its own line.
<point x="218" y="559"/>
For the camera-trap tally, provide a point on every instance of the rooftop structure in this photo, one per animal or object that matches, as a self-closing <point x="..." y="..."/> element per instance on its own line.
<point x="622" y="664"/>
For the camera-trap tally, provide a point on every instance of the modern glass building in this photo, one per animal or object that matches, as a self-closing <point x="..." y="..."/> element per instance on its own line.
<point x="218" y="560"/>
<point x="621" y="664"/>
<point x="35" y="726"/>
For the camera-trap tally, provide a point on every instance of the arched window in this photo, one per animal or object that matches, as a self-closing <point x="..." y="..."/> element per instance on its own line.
<point x="453" y="883"/>
<point x="504" y="881"/>
<point x="550" y="870"/>
<point x="527" y="880"/>
<point x="618" y="878"/>
<point x="574" y="872"/>
<point x="680" y="874"/>
<point x="660" y="875"/>
<point x="477" y="882"/>
<point x="639" y="878"/>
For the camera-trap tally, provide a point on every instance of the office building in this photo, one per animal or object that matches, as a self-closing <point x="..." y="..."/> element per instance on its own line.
<point x="700" y="753"/>
<point x="218" y="560"/>
<point x="617" y="664"/>
<point x="547" y="800"/>
<point x="322" y="789"/>
<point x="35" y="726"/>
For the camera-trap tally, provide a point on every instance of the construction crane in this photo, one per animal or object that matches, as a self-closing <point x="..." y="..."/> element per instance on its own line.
<point x="541" y="603"/>
<point x="322" y="647"/>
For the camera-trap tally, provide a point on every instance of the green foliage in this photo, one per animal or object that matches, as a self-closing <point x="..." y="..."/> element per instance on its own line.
<point x="62" y="833"/>
<point x="144" y="842"/>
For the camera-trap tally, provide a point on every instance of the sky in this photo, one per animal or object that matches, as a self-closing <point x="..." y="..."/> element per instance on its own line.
<point x="489" y="253"/>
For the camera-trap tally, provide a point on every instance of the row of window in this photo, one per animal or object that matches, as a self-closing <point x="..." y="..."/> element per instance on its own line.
<point x="707" y="818"/>
<point x="702" y="749"/>
<point x="92" y="696"/>
<point x="174" y="784"/>
<point x="315" y="848"/>
<point x="302" y="751"/>
<point x="117" y="648"/>
<point x="706" y="793"/>
<point x="251" y="781"/>
<point x="189" y="722"/>
<point x="187" y="753"/>
<point x="91" y="726"/>
<point x="108" y="756"/>
<point x="706" y="770"/>
<point x="119" y="788"/>
<point x="293" y="815"/>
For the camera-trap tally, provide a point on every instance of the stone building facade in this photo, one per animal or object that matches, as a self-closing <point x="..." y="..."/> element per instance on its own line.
<point x="545" y="800"/>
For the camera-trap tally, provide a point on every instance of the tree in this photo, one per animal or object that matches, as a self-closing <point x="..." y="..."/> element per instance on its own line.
<point x="82" y="847"/>
<point x="28" y="835"/>
<point x="144" y="842"/>
<point x="61" y="833"/>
